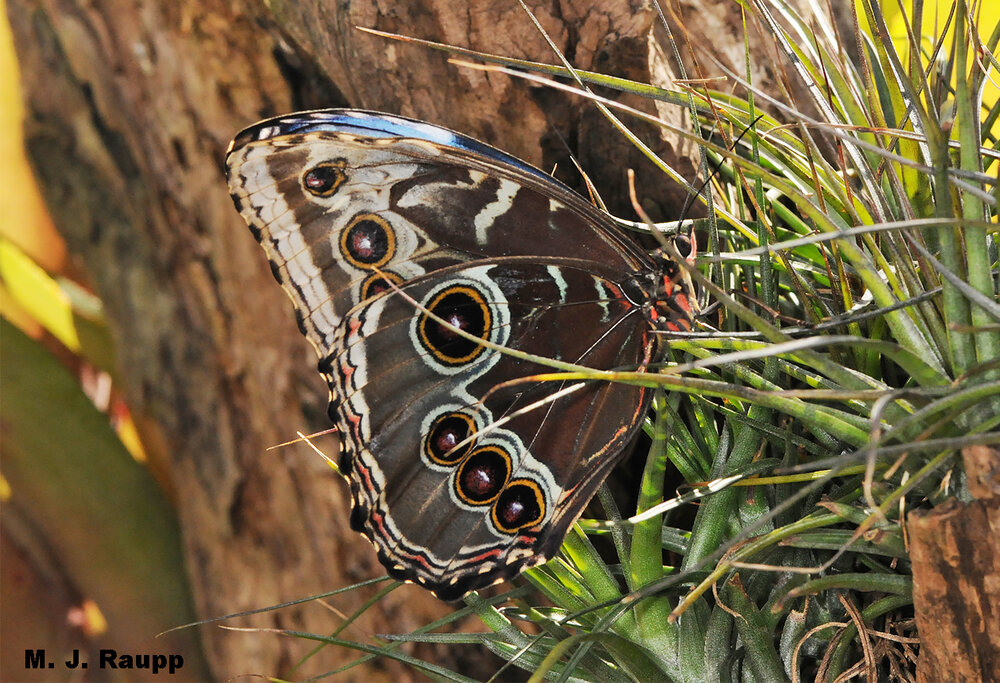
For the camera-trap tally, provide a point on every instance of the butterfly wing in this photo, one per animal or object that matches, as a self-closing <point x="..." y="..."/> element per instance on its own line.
<point x="458" y="479"/>
<point x="343" y="201"/>
<point x="460" y="474"/>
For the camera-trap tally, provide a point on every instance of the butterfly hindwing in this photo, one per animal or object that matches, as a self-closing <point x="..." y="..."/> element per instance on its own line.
<point x="455" y="516"/>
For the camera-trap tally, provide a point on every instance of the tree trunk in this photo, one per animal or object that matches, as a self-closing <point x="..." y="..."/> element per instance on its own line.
<point x="131" y="106"/>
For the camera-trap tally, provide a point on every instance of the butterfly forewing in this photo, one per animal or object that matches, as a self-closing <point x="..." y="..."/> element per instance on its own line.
<point x="339" y="213"/>
<point x="461" y="475"/>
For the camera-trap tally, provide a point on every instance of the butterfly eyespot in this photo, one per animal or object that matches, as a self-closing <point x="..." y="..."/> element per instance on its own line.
<point x="460" y="306"/>
<point x="519" y="506"/>
<point x="483" y="475"/>
<point x="323" y="179"/>
<point x="446" y="432"/>
<point x="376" y="283"/>
<point x="368" y="241"/>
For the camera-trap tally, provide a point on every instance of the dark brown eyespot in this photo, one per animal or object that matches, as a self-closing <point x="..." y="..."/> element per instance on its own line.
<point x="519" y="506"/>
<point x="482" y="476"/>
<point x="368" y="241"/>
<point x="463" y="307"/>
<point x="323" y="179"/>
<point x="446" y="432"/>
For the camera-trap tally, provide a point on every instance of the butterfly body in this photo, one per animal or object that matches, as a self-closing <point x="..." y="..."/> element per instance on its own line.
<point x="460" y="473"/>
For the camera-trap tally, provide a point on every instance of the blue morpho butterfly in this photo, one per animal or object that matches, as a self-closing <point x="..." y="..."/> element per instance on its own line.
<point x="458" y="479"/>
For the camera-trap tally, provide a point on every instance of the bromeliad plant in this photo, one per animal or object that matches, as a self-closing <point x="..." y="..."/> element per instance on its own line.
<point x="853" y="352"/>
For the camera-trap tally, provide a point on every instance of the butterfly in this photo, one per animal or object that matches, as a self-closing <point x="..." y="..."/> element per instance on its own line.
<point x="390" y="235"/>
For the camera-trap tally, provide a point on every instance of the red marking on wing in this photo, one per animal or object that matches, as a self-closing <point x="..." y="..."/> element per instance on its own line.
<point x="355" y="421"/>
<point x="483" y="556"/>
<point x="365" y="473"/>
<point x="378" y="522"/>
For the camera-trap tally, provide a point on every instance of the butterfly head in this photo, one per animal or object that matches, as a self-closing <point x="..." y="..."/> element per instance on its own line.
<point x="665" y="292"/>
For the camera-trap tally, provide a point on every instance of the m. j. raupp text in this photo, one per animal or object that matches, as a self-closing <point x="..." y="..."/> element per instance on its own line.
<point x="108" y="659"/>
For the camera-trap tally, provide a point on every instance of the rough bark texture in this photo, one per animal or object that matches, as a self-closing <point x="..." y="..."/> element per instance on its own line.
<point x="131" y="106"/>
<point x="955" y="550"/>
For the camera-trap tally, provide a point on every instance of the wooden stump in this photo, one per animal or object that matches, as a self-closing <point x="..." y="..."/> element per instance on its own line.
<point x="955" y="550"/>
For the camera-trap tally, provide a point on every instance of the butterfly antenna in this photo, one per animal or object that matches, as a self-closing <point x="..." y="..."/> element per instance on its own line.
<point x="689" y="200"/>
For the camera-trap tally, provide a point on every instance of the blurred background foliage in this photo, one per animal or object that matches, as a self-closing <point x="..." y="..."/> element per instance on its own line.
<point x="91" y="552"/>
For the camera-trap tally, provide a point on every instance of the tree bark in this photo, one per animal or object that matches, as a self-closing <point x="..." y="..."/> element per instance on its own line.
<point x="131" y="106"/>
<point x="955" y="550"/>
